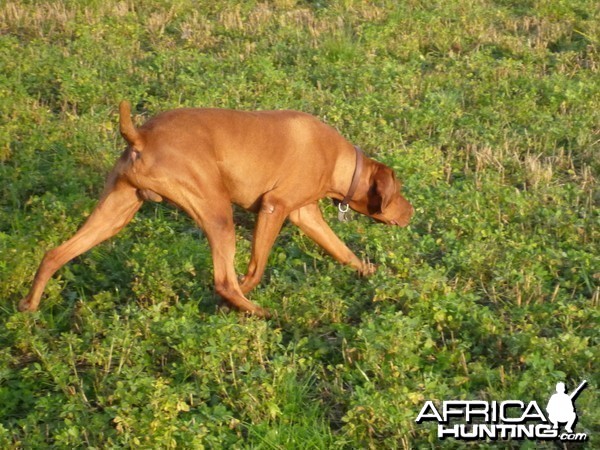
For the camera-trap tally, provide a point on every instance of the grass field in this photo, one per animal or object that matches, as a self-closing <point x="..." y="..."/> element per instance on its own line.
<point x="489" y="110"/>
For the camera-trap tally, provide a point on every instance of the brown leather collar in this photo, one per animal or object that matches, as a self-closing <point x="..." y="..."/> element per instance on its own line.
<point x="343" y="205"/>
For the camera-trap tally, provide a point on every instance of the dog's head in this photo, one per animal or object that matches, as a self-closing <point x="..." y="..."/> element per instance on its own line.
<point x="382" y="199"/>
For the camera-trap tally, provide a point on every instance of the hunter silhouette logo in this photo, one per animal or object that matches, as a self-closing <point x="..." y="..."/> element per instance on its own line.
<point x="510" y="419"/>
<point x="561" y="406"/>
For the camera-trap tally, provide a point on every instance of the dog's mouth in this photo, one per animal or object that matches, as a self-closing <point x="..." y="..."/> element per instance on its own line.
<point x="391" y="222"/>
<point x="385" y="221"/>
<point x="400" y="221"/>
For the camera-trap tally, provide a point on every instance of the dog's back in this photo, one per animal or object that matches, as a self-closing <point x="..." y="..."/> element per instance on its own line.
<point x="249" y="153"/>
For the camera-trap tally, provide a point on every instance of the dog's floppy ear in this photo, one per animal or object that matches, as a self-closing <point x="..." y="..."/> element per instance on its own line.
<point x="382" y="188"/>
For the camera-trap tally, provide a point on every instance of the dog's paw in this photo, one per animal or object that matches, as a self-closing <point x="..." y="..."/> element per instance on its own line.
<point x="26" y="305"/>
<point x="367" y="269"/>
<point x="262" y="313"/>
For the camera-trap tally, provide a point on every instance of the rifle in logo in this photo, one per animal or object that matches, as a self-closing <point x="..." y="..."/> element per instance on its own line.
<point x="561" y="406"/>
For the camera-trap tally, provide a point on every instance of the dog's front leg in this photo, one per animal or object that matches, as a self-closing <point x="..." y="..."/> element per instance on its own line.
<point x="215" y="217"/>
<point x="268" y="224"/>
<point x="310" y="220"/>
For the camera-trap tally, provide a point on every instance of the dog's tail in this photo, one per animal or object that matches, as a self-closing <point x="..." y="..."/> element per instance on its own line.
<point x="128" y="130"/>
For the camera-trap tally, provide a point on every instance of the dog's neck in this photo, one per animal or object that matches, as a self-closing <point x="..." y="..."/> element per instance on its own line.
<point x="358" y="166"/>
<point x="348" y="175"/>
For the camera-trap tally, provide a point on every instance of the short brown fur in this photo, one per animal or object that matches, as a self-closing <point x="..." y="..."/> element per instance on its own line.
<point x="277" y="164"/>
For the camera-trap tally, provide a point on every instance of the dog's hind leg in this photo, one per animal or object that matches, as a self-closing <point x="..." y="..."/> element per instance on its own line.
<point x="115" y="209"/>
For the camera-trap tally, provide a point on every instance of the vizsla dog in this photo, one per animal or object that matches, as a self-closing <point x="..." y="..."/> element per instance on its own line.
<point x="275" y="163"/>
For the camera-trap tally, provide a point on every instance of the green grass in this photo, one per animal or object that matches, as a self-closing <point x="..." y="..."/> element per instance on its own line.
<point x="488" y="110"/>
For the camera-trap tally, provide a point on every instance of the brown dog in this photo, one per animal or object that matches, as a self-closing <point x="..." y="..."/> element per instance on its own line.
<point x="275" y="163"/>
